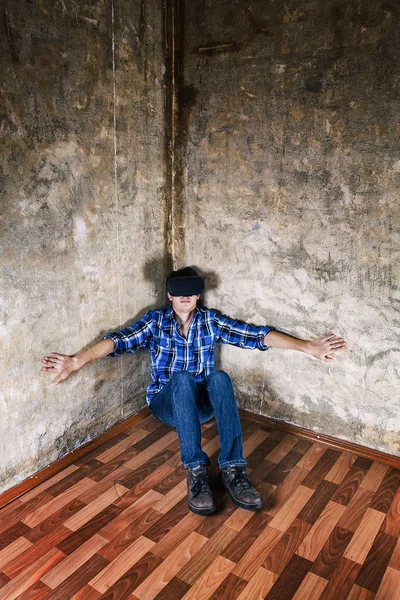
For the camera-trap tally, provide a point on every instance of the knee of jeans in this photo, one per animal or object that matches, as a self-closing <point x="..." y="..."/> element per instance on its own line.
<point x="219" y="377"/>
<point x="184" y="377"/>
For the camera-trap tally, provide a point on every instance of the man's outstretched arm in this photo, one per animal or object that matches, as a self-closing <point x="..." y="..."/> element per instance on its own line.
<point x="321" y="348"/>
<point x="63" y="366"/>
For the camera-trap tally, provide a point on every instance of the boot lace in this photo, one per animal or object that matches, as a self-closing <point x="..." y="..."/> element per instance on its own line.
<point x="241" y="481"/>
<point x="200" y="484"/>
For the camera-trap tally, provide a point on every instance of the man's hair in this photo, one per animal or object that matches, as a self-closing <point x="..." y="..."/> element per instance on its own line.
<point x="186" y="272"/>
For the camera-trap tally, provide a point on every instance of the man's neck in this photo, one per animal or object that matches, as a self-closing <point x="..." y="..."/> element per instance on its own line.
<point x="184" y="320"/>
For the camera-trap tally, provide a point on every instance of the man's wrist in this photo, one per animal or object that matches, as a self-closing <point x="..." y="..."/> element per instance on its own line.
<point x="305" y="346"/>
<point x="81" y="360"/>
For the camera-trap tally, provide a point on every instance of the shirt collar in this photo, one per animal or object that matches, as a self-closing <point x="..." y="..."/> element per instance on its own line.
<point x="169" y="313"/>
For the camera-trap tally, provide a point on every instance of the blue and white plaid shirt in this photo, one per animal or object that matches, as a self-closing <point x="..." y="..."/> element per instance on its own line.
<point x="158" y="332"/>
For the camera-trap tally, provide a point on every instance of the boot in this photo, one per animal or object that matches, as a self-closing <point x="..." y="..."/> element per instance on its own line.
<point x="240" y="489"/>
<point x="200" y="498"/>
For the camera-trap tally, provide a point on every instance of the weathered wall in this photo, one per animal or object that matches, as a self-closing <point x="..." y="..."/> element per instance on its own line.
<point x="292" y="170"/>
<point x="82" y="214"/>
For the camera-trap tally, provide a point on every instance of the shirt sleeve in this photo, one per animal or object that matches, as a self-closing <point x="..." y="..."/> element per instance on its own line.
<point x="240" y="334"/>
<point x="132" y="338"/>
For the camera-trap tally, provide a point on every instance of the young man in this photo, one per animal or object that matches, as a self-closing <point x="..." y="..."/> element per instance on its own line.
<point x="186" y="391"/>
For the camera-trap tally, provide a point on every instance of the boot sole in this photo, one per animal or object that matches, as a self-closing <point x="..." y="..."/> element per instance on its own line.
<point x="204" y="511"/>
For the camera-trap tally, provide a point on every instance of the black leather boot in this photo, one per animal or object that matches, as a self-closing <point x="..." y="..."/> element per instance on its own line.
<point x="200" y="498"/>
<point x="240" y="489"/>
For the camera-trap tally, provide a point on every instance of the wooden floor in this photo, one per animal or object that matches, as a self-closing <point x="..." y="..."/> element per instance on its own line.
<point x="115" y="525"/>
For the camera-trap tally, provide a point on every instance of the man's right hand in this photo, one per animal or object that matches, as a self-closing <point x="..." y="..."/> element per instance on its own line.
<point x="60" y="364"/>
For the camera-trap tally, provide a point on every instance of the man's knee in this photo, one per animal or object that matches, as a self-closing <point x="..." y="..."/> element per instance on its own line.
<point x="183" y="378"/>
<point x="219" y="378"/>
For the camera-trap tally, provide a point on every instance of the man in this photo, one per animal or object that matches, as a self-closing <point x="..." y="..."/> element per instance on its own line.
<point x="186" y="391"/>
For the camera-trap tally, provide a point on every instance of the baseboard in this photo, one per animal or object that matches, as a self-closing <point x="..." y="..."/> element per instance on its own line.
<point x="65" y="461"/>
<point x="38" y="478"/>
<point x="343" y="445"/>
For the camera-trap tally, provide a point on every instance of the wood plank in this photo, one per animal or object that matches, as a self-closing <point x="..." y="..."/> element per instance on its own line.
<point x="259" y="585"/>
<point x="78" y="579"/>
<point x="256" y="554"/>
<point x="13" y="550"/>
<point x="374" y="566"/>
<point x="359" y="593"/>
<point x="277" y="454"/>
<point x="253" y="442"/>
<point x="356" y="509"/>
<point x="79" y="537"/>
<point x="121" y="564"/>
<point x="45" y="485"/>
<point x="95" y="507"/>
<point x="318" y="501"/>
<point x="19" y="584"/>
<point x="364" y="536"/>
<point x="86" y="593"/>
<point x="282" y="493"/>
<point x="375" y="476"/>
<point x="350" y="483"/>
<point x="238" y="519"/>
<point x="13" y="533"/>
<point x="181" y="530"/>
<point x="332" y="552"/>
<point x="179" y="492"/>
<point x="131" y="533"/>
<point x="204" y="587"/>
<point x="290" y="580"/>
<point x="395" y="560"/>
<point x="138" y="573"/>
<point x="283" y="551"/>
<point x="341" y="467"/>
<point x="142" y="457"/>
<point x="390" y="586"/>
<point x="341" y="580"/>
<point x="176" y="588"/>
<point x="229" y="589"/>
<point x="170" y="567"/>
<point x="140" y="481"/>
<point x="53" y="505"/>
<point x="241" y="543"/>
<point x="17" y="511"/>
<point x="392" y="521"/>
<point x="321" y="468"/>
<point x="312" y="456"/>
<point x="320" y="531"/>
<point x="54" y="521"/>
<point x="387" y="491"/>
<point x="71" y="563"/>
<point x="311" y="587"/>
<point x="34" y="552"/>
<point x="202" y="559"/>
<point x="36" y="591"/>
<point x="283" y="468"/>
<point x="291" y="508"/>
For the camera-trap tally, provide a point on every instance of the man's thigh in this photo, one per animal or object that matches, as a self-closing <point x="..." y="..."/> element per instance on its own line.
<point x="161" y="405"/>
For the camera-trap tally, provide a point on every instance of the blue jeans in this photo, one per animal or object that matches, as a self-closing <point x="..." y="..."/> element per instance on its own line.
<point x="186" y="406"/>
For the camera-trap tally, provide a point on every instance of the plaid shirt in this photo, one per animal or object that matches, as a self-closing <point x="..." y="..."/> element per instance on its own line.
<point x="158" y="332"/>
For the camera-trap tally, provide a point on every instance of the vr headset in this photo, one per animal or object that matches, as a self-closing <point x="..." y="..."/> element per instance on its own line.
<point x="186" y="286"/>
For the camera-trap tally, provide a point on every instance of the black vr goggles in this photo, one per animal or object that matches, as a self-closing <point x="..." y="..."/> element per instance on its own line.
<point x="186" y="286"/>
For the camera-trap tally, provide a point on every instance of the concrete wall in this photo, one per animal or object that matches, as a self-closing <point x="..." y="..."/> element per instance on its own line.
<point x="83" y="219"/>
<point x="290" y="144"/>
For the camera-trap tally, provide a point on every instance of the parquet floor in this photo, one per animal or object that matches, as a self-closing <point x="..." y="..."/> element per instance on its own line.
<point x="115" y="525"/>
